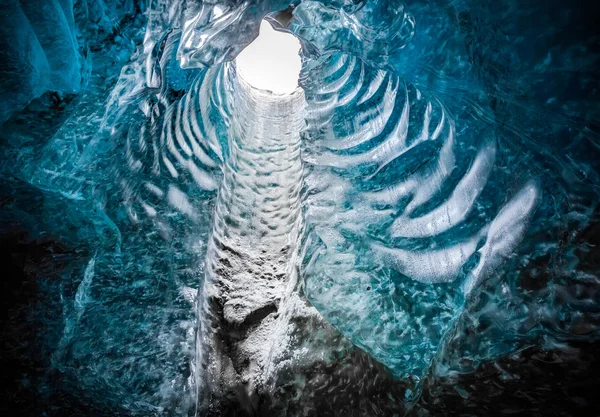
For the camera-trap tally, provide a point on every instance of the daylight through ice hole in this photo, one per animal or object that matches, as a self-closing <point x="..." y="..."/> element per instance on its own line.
<point x="271" y="62"/>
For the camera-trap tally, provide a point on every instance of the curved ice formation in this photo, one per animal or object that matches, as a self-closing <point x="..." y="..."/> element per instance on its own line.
<point x="215" y="32"/>
<point x="393" y="215"/>
<point x="173" y="151"/>
<point x="371" y="30"/>
<point x="256" y="327"/>
<point x="382" y="194"/>
<point x="286" y="241"/>
<point x="388" y="210"/>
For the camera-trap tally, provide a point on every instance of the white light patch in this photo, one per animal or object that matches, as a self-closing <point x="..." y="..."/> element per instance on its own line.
<point x="271" y="62"/>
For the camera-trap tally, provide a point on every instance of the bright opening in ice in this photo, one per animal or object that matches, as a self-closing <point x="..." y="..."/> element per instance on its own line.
<point x="271" y="62"/>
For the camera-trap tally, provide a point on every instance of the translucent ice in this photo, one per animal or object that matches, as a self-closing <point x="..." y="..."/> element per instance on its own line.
<point x="39" y="52"/>
<point x="423" y="204"/>
<point x="392" y="255"/>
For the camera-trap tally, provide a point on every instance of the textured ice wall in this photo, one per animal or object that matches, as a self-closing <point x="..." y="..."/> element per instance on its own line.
<point x="127" y="182"/>
<point x="39" y="52"/>
<point x="116" y="173"/>
<point x="45" y="45"/>
<point x="394" y="200"/>
<point x="262" y="348"/>
<point x="253" y="246"/>
<point x="463" y="202"/>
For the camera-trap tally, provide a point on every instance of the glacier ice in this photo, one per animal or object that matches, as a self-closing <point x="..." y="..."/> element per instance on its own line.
<point x="382" y="252"/>
<point x="39" y="52"/>
<point x="407" y="216"/>
<point x="370" y="30"/>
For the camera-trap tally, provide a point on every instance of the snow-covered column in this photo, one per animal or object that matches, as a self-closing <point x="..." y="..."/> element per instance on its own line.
<point x="252" y="251"/>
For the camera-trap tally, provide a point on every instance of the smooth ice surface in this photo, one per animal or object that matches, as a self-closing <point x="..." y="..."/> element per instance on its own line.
<point x="271" y="62"/>
<point x="371" y="30"/>
<point x="215" y="32"/>
<point x="39" y="51"/>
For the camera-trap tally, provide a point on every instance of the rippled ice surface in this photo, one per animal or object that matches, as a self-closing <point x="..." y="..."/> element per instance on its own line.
<point x="413" y="231"/>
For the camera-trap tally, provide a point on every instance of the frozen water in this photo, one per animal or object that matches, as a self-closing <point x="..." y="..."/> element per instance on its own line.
<point x="423" y="205"/>
<point x="392" y="255"/>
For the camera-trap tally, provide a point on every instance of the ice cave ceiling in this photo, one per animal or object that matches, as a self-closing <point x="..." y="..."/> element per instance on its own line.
<point x="412" y="229"/>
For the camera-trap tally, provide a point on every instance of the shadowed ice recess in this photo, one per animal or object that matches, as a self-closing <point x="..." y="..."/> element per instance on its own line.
<point x="352" y="209"/>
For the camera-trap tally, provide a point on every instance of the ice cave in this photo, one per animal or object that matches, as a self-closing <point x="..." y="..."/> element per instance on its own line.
<point x="244" y="208"/>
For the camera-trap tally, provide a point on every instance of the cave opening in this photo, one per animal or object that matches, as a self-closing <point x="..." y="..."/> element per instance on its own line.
<point x="271" y="62"/>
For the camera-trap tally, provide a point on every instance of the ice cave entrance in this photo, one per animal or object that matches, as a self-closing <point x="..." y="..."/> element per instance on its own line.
<point x="271" y="62"/>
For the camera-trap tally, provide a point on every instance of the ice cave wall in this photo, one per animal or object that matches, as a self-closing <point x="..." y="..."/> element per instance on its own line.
<point x="126" y="176"/>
